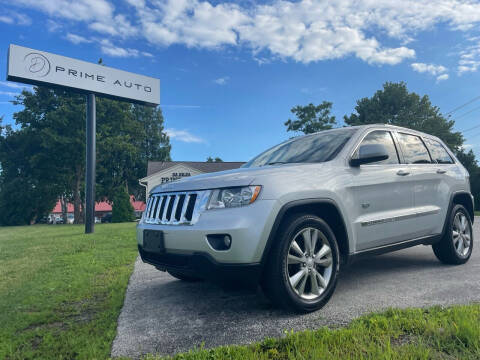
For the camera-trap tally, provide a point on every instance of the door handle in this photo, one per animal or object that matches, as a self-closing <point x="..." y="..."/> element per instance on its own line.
<point x="403" y="172"/>
<point x="441" y="171"/>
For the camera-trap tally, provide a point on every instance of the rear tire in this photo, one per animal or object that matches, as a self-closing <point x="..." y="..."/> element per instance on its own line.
<point x="183" y="276"/>
<point x="455" y="247"/>
<point x="302" y="268"/>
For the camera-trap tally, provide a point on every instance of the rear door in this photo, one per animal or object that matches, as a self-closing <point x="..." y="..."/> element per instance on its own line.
<point x="447" y="176"/>
<point x="427" y="184"/>
<point x="382" y="197"/>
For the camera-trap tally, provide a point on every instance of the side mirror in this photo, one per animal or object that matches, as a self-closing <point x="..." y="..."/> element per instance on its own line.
<point x="369" y="153"/>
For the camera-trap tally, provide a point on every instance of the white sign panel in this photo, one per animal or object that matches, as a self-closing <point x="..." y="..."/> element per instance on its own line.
<point x="41" y="68"/>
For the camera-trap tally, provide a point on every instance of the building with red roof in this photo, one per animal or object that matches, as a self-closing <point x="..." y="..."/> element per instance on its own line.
<point x="101" y="208"/>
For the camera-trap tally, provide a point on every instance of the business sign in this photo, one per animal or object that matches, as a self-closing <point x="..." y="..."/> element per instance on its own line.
<point x="42" y="68"/>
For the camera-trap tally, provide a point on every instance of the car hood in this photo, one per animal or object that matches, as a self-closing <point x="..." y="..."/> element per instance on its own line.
<point x="231" y="178"/>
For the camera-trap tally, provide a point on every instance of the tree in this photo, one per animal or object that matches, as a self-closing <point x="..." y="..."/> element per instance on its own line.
<point x="122" y="209"/>
<point x="52" y="126"/>
<point x="395" y="105"/>
<point x="26" y="192"/>
<point x="470" y="163"/>
<point x="45" y="157"/>
<point x="311" y="118"/>
<point x="211" y="160"/>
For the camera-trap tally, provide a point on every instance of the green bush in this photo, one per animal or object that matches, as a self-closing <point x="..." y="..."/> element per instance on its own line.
<point x="122" y="209"/>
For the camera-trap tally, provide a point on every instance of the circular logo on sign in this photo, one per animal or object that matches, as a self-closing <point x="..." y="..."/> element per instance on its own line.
<point x="37" y="64"/>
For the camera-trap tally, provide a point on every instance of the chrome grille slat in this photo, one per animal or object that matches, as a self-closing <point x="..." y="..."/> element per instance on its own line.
<point x="185" y="206"/>
<point x="157" y="207"/>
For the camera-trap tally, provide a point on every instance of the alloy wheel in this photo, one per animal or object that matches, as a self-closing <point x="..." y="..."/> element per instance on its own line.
<point x="309" y="263"/>
<point x="461" y="234"/>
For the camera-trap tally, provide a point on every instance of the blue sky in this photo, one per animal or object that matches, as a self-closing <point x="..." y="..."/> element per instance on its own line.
<point x="230" y="71"/>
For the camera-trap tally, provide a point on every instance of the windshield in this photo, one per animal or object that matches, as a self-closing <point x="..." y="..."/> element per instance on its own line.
<point x="320" y="147"/>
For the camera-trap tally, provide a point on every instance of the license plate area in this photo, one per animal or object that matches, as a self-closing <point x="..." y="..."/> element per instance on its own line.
<point x="153" y="241"/>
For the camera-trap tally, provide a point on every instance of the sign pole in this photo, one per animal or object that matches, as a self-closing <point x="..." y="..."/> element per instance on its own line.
<point x="90" y="168"/>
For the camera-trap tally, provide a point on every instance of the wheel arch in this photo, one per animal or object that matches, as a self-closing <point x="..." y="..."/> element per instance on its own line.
<point x="327" y="209"/>
<point x="465" y="199"/>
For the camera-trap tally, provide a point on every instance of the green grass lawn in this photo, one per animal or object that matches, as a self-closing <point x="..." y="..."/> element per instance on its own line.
<point x="435" y="333"/>
<point x="61" y="291"/>
<point x="477" y="213"/>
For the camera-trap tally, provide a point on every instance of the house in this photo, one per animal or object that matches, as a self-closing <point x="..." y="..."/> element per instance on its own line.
<point x="101" y="208"/>
<point x="160" y="172"/>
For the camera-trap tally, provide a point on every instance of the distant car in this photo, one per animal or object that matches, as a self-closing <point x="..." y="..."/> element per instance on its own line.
<point x="70" y="219"/>
<point x="107" y="218"/>
<point x="43" y="220"/>
<point x="97" y="220"/>
<point x="57" y="220"/>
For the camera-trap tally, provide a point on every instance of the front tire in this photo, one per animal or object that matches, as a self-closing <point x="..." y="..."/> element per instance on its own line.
<point x="456" y="245"/>
<point x="303" y="265"/>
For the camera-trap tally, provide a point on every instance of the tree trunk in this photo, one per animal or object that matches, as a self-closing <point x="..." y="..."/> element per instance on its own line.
<point x="64" y="204"/>
<point x="76" y="195"/>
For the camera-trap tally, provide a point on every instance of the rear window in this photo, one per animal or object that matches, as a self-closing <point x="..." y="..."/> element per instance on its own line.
<point x="414" y="150"/>
<point x="438" y="152"/>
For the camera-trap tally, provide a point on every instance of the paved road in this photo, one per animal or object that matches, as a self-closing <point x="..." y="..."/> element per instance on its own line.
<point x="164" y="316"/>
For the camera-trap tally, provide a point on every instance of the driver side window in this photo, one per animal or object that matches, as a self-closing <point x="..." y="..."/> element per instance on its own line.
<point x="384" y="138"/>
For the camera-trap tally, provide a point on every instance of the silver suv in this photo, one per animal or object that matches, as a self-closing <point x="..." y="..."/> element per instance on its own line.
<point x="292" y="215"/>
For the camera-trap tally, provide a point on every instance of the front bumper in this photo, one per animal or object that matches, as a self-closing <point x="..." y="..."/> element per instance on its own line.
<point x="248" y="226"/>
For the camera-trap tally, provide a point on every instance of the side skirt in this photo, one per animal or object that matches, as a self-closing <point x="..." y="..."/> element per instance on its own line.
<point x="426" y="240"/>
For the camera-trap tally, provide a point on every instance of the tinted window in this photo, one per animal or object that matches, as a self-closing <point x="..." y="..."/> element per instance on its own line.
<point x="414" y="151"/>
<point x="320" y="147"/>
<point x="384" y="138"/>
<point x="438" y="152"/>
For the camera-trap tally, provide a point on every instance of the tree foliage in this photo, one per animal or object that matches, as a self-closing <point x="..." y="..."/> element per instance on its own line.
<point x="311" y="118"/>
<point x="217" y="159"/>
<point x="122" y="209"/>
<point x="395" y="105"/>
<point x="43" y="159"/>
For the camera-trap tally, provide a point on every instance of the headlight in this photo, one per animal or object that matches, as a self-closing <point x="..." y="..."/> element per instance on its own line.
<point x="233" y="197"/>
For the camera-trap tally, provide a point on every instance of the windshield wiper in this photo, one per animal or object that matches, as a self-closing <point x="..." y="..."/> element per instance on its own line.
<point x="276" y="162"/>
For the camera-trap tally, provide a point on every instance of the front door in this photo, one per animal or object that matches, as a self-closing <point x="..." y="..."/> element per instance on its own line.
<point x="382" y="195"/>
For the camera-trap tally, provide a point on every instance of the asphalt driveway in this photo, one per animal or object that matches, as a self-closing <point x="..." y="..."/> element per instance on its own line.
<point x="162" y="315"/>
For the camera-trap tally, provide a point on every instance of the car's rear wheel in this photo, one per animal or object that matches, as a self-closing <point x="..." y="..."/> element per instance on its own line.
<point x="302" y="267"/>
<point x="183" y="276"/>
<point x="456" y="246"/>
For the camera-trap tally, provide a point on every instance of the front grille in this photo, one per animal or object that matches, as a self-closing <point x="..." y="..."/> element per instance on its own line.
<point x="180" y="208"/>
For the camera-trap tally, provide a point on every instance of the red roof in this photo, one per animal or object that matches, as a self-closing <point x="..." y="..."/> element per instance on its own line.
<point x="102" y="206"/>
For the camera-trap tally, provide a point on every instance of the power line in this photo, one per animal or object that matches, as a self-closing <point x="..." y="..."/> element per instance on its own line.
<point x="472" y="128"/>
<point x="463" y="105"/>
<point x="468" y="112"/>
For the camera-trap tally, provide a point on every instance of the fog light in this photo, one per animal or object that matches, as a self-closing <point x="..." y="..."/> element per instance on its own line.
<point x="220" y="241"/>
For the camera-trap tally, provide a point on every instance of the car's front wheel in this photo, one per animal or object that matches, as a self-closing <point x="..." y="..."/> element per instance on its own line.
<point x="302" y="268"/>
<point x="456" y="246"/>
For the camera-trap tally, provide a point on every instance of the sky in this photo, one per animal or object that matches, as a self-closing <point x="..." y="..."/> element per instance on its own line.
<point x="230" y="71"/>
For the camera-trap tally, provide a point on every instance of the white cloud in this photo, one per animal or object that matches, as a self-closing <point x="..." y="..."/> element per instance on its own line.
<point x="222" y="80"/>
<point x="9" y="93"/>
<point x="470" y="58"/>
<point x="377" y="32"/>
<point x="439" y="71"/>
<point x="77" y="39"/>
<point x="442" y="77"/>
<point x="108" y="48"/>
<point x="15" y="18"/>
<point x="14" y="85"/>
<point x="428" y="68"/>
<point x="6" y="19"/>
<point x="184" y="136"/>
